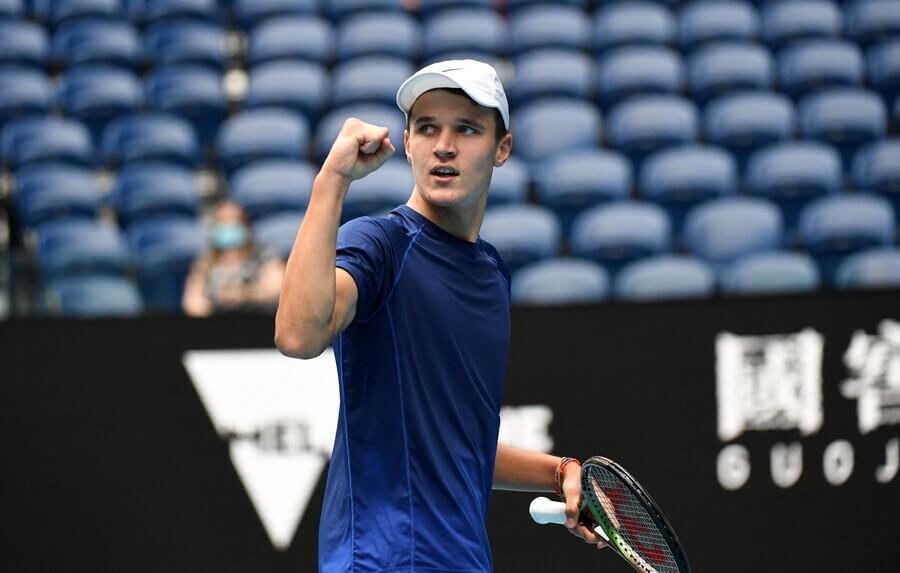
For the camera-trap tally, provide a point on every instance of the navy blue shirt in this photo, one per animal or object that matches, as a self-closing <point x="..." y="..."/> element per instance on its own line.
<point x="421" y="372"/>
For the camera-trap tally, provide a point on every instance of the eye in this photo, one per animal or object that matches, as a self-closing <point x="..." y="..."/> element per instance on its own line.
<point x="426" y="129"/>
<point x="466" y="130"/>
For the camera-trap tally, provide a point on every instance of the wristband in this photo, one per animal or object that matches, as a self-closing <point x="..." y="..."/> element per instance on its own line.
<point x="559" y="474"/>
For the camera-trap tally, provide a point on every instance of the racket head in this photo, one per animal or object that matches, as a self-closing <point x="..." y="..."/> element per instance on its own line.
<point x="636" y="528"/>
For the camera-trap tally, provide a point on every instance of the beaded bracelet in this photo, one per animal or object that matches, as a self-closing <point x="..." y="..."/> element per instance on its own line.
<point x="559" y="470"/>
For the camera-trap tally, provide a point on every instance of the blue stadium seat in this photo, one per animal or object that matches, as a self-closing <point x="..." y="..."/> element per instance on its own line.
<point x="431" y="7"/>
<point x="11" y="8"/>
<point x="515" y="5"/>
<point x="872" y="268"/>
<point x="249" y="13"/>
<point x="835" y="226"/>
<point x="681" y="177"/>
<point x="549" y="26"/>
<point x="98" y="94"/>
<point x="146" y="190"/>
<point x="721" y="68"/>
<point x="665" y="277"/>
<point x="509" y="183"/>
<point x="847" y="118"/>
<point x="297" y="85"/>
<point x="638" y="22"/>
<point x="876" y="168"/>
<point x="638" y="70"/>
<point x="794" y="173"/>
<point x="55" y="191"/>
<point x="884" y="69"/>
<point x="570" y="182"/>
<point x="56" y="12"/>
<point x="169" y="43"/>
<point x="645" y="124"/>
<point x="617" y="233"/>
<point x="270" y="133"/>
<point x="23" y="92"/>
<point x="276" y="232"/>
<point x="23" y="43"/>
<point x="291" y="37"/>
<point x="551" y="72"/>
<point x="791" y="20"/>
<point x="192" y="92"/>
<point x="45" y="138"/>
<point x="480" y="31"/>
<point x="813" y="65"/>
<point x="555" y="125"/>
<point x="377" y="114"/>
<point x="870" y="21"/>
<point x="746" y="122"/>
<point x="383" y="189"/>
<point x="93" y="41"/>
<point x="152" y="11"/>
<point x="716" y="21"/>
<point x="92" y="296"/>
<point x="560" y="281"/>
<point x="163" y="250"/>
<point x="149" y="137"/>
<point x="379" y="34"/>
<point x="267" y="187"/>
<point x="776" y="272"/>
<point x="339" y="9"/>
<point x="370" y="79"/>
<point x="722" y="230"/>
<point x="80" y="246"/>
<point x="522" y="234"/>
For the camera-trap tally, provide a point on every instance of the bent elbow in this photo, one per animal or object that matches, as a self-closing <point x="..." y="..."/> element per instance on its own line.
<point x="295" y="346"/>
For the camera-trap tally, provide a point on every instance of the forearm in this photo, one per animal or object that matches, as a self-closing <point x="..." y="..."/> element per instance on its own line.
<point x="304" y="320"/>
<point x="524" y="470"/>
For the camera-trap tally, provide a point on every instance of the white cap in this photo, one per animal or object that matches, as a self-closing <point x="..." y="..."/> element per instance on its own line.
<point x="477" y="79"/>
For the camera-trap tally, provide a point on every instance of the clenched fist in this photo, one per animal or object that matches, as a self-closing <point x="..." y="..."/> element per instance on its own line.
<point x="359" y="149"/>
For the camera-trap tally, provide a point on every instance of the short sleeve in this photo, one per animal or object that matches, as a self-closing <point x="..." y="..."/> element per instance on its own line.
<point x="364" y="251"/>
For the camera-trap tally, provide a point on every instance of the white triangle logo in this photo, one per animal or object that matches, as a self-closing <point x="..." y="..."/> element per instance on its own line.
<point x="279" y="416"/>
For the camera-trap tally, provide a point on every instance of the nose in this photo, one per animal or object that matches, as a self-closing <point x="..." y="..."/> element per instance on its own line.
<point x="445" y="146"/>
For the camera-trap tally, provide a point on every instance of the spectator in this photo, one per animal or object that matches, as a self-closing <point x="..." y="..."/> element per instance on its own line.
<point x="234" y="275"/>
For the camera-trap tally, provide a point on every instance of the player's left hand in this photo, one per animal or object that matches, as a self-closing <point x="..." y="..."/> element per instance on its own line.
<point x="571" y="487"/>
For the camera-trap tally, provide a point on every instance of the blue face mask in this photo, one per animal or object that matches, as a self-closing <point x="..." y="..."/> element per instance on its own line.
<point x="229" y="236"/>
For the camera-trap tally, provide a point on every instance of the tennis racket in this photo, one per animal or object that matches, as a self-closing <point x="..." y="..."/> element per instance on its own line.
<point x="625" y="516"/>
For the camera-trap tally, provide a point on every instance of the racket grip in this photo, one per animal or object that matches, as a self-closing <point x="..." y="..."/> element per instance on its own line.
<point x="545" y="510"/>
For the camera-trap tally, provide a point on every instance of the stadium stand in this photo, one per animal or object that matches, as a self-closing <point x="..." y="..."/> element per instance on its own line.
<point x="617" y="233"/>
<point x="775" y="272"/>
<point x="92" y="296"/>
<point x="636" y="124"/>
<point x="560" y="281"/>
<point x="73" y="247"/>
<point x="665" y="277"/>
<point x="871" y="268"/>
<point x="147" y="189"/>
<point x="522" y="234"/>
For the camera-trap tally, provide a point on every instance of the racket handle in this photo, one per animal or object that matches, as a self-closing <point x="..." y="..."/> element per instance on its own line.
<point x="545" y="510"/>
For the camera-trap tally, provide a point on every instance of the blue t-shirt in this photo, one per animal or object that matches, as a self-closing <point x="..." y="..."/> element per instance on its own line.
<point x="421" y="372"/>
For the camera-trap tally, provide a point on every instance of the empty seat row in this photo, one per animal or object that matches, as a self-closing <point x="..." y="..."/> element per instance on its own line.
<point x="718" y="231"/>
<point x="676" y="277"/>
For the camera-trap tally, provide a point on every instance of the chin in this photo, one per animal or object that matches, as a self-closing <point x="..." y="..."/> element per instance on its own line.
<point x="445" y="197"/>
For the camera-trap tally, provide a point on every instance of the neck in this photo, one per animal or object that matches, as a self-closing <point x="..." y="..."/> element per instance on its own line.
<point x="462" y="221"/>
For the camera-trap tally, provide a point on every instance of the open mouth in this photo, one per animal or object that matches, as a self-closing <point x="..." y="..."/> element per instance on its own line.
<point x="444" y="171"/>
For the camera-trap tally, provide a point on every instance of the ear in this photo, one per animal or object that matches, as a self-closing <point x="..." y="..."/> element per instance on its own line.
<point x="406" y="145"/>
<point x="504" y="148"/>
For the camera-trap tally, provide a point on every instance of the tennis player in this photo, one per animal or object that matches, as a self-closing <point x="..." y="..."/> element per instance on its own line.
<point x="416" y="306"/>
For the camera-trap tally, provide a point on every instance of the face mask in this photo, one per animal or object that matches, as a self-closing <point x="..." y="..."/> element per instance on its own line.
<point x="229" y="236"/>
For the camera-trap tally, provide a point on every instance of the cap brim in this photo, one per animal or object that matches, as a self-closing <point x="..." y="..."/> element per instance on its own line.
<point x="417" y="85"/>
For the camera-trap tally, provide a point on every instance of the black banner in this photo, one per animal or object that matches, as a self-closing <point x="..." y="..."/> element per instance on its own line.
<point x="767" y="429"/>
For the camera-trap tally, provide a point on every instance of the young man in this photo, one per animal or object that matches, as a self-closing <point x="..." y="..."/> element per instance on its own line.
<point x="417" y="308"/>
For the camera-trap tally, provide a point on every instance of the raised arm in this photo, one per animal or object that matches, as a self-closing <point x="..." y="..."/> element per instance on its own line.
<point x="317" y="299"/>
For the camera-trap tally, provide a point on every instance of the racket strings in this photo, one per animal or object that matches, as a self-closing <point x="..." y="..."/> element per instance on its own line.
<point x="631" y="519"/>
